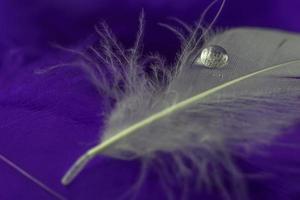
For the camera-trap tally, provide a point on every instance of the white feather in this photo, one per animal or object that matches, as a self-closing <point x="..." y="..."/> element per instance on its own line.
<point x="195" y="114"/>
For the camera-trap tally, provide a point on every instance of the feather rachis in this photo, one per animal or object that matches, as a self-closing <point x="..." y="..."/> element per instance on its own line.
<point x="176" y="107"/>
<point x="34" y="180"/>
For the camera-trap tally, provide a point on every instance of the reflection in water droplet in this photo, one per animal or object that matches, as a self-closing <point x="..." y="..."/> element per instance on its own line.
<point x="213" y="57"/>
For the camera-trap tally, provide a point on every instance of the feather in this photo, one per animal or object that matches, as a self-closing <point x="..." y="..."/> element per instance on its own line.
<point x="196" y="114"/>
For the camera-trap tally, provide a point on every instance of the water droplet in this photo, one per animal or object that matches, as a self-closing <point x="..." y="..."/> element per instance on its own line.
<point x="213" y="57"/>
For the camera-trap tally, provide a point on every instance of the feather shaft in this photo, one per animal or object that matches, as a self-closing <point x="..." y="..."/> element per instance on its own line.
<point x="31" y="178"/>
<point x="80" y="163"/>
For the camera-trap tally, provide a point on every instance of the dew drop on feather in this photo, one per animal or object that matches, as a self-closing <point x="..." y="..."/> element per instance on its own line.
<point x="213" y="57"/>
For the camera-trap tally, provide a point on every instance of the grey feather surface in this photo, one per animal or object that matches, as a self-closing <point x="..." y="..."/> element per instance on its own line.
<point x="242" y="105"/>
<point x="249" y="111"/>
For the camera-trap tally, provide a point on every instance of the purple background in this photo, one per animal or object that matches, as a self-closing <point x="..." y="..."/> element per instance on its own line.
<point x="47" y="121"/>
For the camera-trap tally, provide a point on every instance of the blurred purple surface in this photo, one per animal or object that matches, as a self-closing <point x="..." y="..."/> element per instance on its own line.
<point x="47" y="121"/>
